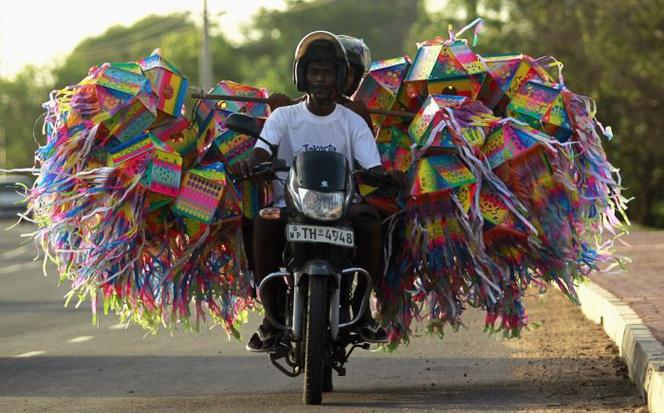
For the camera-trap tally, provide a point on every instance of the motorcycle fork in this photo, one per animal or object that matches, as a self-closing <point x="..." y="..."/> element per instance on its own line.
<point x="300" y="302"/>
<point x="320" y="269"/>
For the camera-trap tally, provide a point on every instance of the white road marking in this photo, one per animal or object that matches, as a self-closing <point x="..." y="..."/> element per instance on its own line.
<point x="118" y="326"/>
<point x="16" y="252"/>
<point x="646" y="246"/>
<point x="30" y="354"/>
<point x="81" y="339"/>
<point x="20" y="267"/>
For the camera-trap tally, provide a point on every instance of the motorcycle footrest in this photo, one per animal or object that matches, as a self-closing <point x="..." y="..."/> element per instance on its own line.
<point x="341" y="371"/>
<point x="292" y="372"/>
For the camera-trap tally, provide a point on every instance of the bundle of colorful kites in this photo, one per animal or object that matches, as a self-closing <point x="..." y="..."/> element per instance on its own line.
<point x="508" y="187"/>
<point x="133" y="201"/>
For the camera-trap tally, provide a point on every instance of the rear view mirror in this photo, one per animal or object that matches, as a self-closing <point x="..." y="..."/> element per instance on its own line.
<point x="245" y="124"/>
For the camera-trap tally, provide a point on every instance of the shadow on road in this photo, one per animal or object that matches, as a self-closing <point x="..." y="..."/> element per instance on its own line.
<point x="38" y="307"/>
<point x="177" y="382"/>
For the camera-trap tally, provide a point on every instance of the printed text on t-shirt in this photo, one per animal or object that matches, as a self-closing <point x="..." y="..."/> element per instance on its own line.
<point x="310" y="147"/>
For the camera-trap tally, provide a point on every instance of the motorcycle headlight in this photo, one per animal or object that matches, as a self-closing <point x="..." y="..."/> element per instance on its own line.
<point x="324" y="206"/>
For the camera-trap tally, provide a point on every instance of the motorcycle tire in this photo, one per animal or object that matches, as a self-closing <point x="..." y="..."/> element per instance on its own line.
<point x="328" y="383"/>
<point x="314" y="358"/>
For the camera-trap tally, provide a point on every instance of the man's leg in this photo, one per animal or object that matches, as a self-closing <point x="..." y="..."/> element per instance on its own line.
<point x="366" y="222"/>
<point x="268" y="244"/>
<point x="248" y="241"/>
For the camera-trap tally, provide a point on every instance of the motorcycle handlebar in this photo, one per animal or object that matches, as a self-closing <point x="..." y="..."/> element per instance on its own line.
<point x="267" y="169"/>
<point x="370" y="177"/>
<point x="374" y="178"/>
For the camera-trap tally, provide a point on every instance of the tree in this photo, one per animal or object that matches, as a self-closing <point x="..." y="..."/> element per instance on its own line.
<point x="458" y="13"/>
<point x="21" y="98"/>
<point x="610" y="49"/>
<point x="20" y="112"/>
<point x="176" y="35"/>
<point x="274" y="34"/>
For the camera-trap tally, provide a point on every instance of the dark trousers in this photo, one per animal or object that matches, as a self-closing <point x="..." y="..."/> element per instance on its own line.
<point x="269" y="239"/>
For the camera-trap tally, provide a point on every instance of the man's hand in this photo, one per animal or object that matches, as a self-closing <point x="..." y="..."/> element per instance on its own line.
<point x="244" y="168"/>
<point x="277" y="100"/>
<point x="241" y="169"/>
<point x="400" y="179"/>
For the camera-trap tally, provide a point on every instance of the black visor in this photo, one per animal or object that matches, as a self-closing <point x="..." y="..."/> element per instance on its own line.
<point x="321" y="171"/>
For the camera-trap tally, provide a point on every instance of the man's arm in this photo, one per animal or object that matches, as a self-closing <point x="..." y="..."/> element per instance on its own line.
<point x="399" y="179"/>
<point x="277" y="100"/>
<point x="366" y="153"/>
<point x="244" y="167"/>
<point x="361" y="109"/>
<point x="272" y="132"/>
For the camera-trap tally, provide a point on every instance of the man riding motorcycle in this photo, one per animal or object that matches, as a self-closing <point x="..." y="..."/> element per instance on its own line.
<point x="316" y="124"/>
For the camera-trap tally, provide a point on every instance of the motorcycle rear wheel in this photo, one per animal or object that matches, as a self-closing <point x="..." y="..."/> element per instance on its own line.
<point x="314" y="359"/>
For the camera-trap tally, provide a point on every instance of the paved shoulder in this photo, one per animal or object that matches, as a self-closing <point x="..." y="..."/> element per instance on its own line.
<point x="641" y="285"/>
<point x="630" y="307"/>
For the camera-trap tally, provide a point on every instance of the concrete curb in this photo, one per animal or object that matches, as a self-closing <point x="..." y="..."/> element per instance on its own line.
<point x="643" y="354"/>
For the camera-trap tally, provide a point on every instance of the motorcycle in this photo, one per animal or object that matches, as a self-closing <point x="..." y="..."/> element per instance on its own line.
<point x="319" y="274"/>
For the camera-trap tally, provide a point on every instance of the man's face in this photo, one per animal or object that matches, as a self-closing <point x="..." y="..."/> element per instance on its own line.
<point x="321" y="79"/>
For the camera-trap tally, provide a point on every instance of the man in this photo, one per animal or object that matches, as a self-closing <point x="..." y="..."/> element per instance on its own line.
<point x="359" y="60"/>
<point x="320" y="70"/>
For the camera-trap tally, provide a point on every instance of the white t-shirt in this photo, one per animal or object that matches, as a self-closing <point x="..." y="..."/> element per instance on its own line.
<point x="295" y="129"/>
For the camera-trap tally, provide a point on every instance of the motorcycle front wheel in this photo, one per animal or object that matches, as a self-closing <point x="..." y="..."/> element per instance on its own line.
<point x="314" y="359"/>
<point x="328" y="382"/>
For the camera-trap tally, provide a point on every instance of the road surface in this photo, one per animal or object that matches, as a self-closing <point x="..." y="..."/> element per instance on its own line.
<point x="53" y="359"/>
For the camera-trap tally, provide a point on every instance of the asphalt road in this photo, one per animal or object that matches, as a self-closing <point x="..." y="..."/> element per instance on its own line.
<point x="53" y="359"/>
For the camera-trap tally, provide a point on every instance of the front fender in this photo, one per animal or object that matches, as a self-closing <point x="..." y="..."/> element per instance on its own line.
<point x="315" y="268"/>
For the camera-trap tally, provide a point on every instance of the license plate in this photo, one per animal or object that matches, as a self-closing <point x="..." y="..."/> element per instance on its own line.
<point x="327" y="235"/>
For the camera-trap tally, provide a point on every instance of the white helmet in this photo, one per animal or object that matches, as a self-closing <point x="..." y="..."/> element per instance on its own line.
<point x="319" y="45"/>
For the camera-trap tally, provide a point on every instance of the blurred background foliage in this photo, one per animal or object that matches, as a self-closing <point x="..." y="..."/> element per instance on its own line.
<point x="611" y="50"/>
